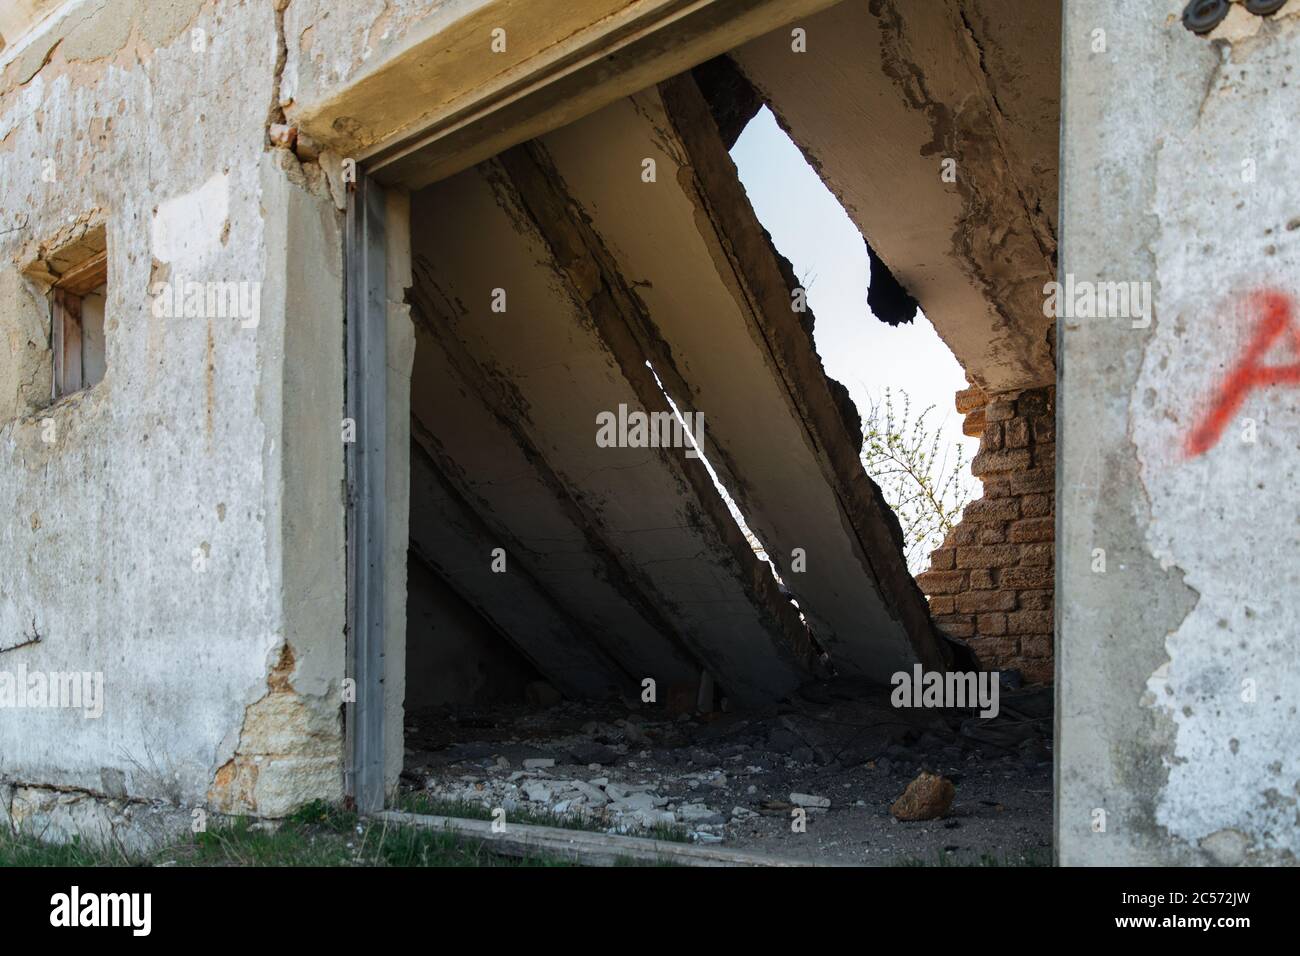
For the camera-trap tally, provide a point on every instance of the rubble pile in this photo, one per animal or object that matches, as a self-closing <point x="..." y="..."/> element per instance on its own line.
<point x="828" y="756"/>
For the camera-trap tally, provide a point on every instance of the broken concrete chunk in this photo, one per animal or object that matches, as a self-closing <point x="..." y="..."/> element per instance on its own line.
<point x="698" y="813"/>
<point x="810" y="801"/>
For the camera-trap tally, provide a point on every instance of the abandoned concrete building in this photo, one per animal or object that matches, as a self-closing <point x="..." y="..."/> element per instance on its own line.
<point x="312" y="313"/>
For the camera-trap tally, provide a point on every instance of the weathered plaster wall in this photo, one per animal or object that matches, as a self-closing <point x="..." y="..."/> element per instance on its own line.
<point x="329" y="49"/>
<point x="154" y="538"/>
<point x="1177" y="671"/>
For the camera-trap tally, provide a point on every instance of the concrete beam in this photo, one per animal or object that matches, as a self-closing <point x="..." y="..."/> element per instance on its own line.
<point x="452" y="539"/>
<point x="561" y="354"/>
<point x="889" y="91"/>
<point x="465" y="424"/>
<point x="446" y="99"/>
<point x="710" y="303"/>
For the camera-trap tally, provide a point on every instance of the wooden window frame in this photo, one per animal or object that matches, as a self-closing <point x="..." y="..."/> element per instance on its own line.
<point x="66" y="331"/>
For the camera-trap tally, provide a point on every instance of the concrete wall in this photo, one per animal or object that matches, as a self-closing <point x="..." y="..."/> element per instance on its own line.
<point x="177" y="527"/>
<point x="1177" y="672"/>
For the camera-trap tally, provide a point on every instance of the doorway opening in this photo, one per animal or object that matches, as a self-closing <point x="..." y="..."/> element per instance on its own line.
<point x="624" y="616"/>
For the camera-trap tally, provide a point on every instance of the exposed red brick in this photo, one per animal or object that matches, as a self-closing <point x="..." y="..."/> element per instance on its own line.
<point x="998" y="648"/>
<point x="956" y="625"/>
<point x="1036" y="600"/>
<point x="992" y="462"/>
<point x="942" y="604"/>
<point x="999" y="509"/>
<point x="1033" y="403"/>
<point x="1036" y="645"/>
<point x="1029" y="622"/>
<point x="942" y="582"/>
<point x="973" y="425"/>
<point x="996" y="487"/>
<point x="1019" y="578"/>
<point x="1033" y="529"/>
<point x="969" y="399"/>
<point x="990" y="556"/>
<point x="942" y="560"/>
<point x="991" y="581"/>
<point x="1036" y="506"/>
<point x="1033" y="481"/>
<point x="1036" y="555"/>
<point x="973" y="602"/>
<point x="999" y="410"/>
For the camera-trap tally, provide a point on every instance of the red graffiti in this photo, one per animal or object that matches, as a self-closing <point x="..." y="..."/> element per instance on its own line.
<point x="1276" y="317"/>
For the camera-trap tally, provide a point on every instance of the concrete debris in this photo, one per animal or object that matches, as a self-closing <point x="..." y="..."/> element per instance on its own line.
<point x="720" y="778"/>
<point x="928" y="797"/>
<point x="810" y="801"/>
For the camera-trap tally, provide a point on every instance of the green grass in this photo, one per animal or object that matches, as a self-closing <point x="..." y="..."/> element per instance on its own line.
<point x="317" y="835"/>
<point x="1026" y="858"/>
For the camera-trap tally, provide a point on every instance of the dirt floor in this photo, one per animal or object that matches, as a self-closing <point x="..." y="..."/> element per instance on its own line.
<point x="839" y="750"/>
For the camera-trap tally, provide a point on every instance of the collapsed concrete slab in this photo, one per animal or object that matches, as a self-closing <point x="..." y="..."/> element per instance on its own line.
<point x="453" y="540"/>
<point x="936" y="127"/>
<point x="547" y="335"/>
<point x="712" y="305"/>
<point x="473" y="450"/>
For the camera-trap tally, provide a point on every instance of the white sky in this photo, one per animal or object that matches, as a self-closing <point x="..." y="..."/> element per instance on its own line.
<point x="812" y="230"/>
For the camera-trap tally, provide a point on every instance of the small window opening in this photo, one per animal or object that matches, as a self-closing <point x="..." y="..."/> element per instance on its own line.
<point x="77" y="316"/>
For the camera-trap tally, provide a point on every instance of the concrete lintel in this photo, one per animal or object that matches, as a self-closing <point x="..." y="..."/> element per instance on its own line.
<point x="446" y="100"/>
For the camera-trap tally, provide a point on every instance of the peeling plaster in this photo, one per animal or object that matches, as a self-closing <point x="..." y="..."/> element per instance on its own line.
<point x="1231" y="773"/>
<point x="199" y="426"/>
<point x="288" y="751"/>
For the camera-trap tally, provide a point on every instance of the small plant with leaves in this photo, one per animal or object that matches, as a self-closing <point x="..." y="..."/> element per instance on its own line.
<point x="923" y="477"/>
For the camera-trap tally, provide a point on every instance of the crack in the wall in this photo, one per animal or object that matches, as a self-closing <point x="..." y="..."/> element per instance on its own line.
<point x="275" y="115"/>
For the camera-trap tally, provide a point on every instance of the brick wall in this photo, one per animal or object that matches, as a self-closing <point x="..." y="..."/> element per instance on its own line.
<point x="990" y="583"/>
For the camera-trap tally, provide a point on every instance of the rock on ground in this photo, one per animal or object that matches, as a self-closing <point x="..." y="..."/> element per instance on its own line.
<point x="928" y="797"/>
